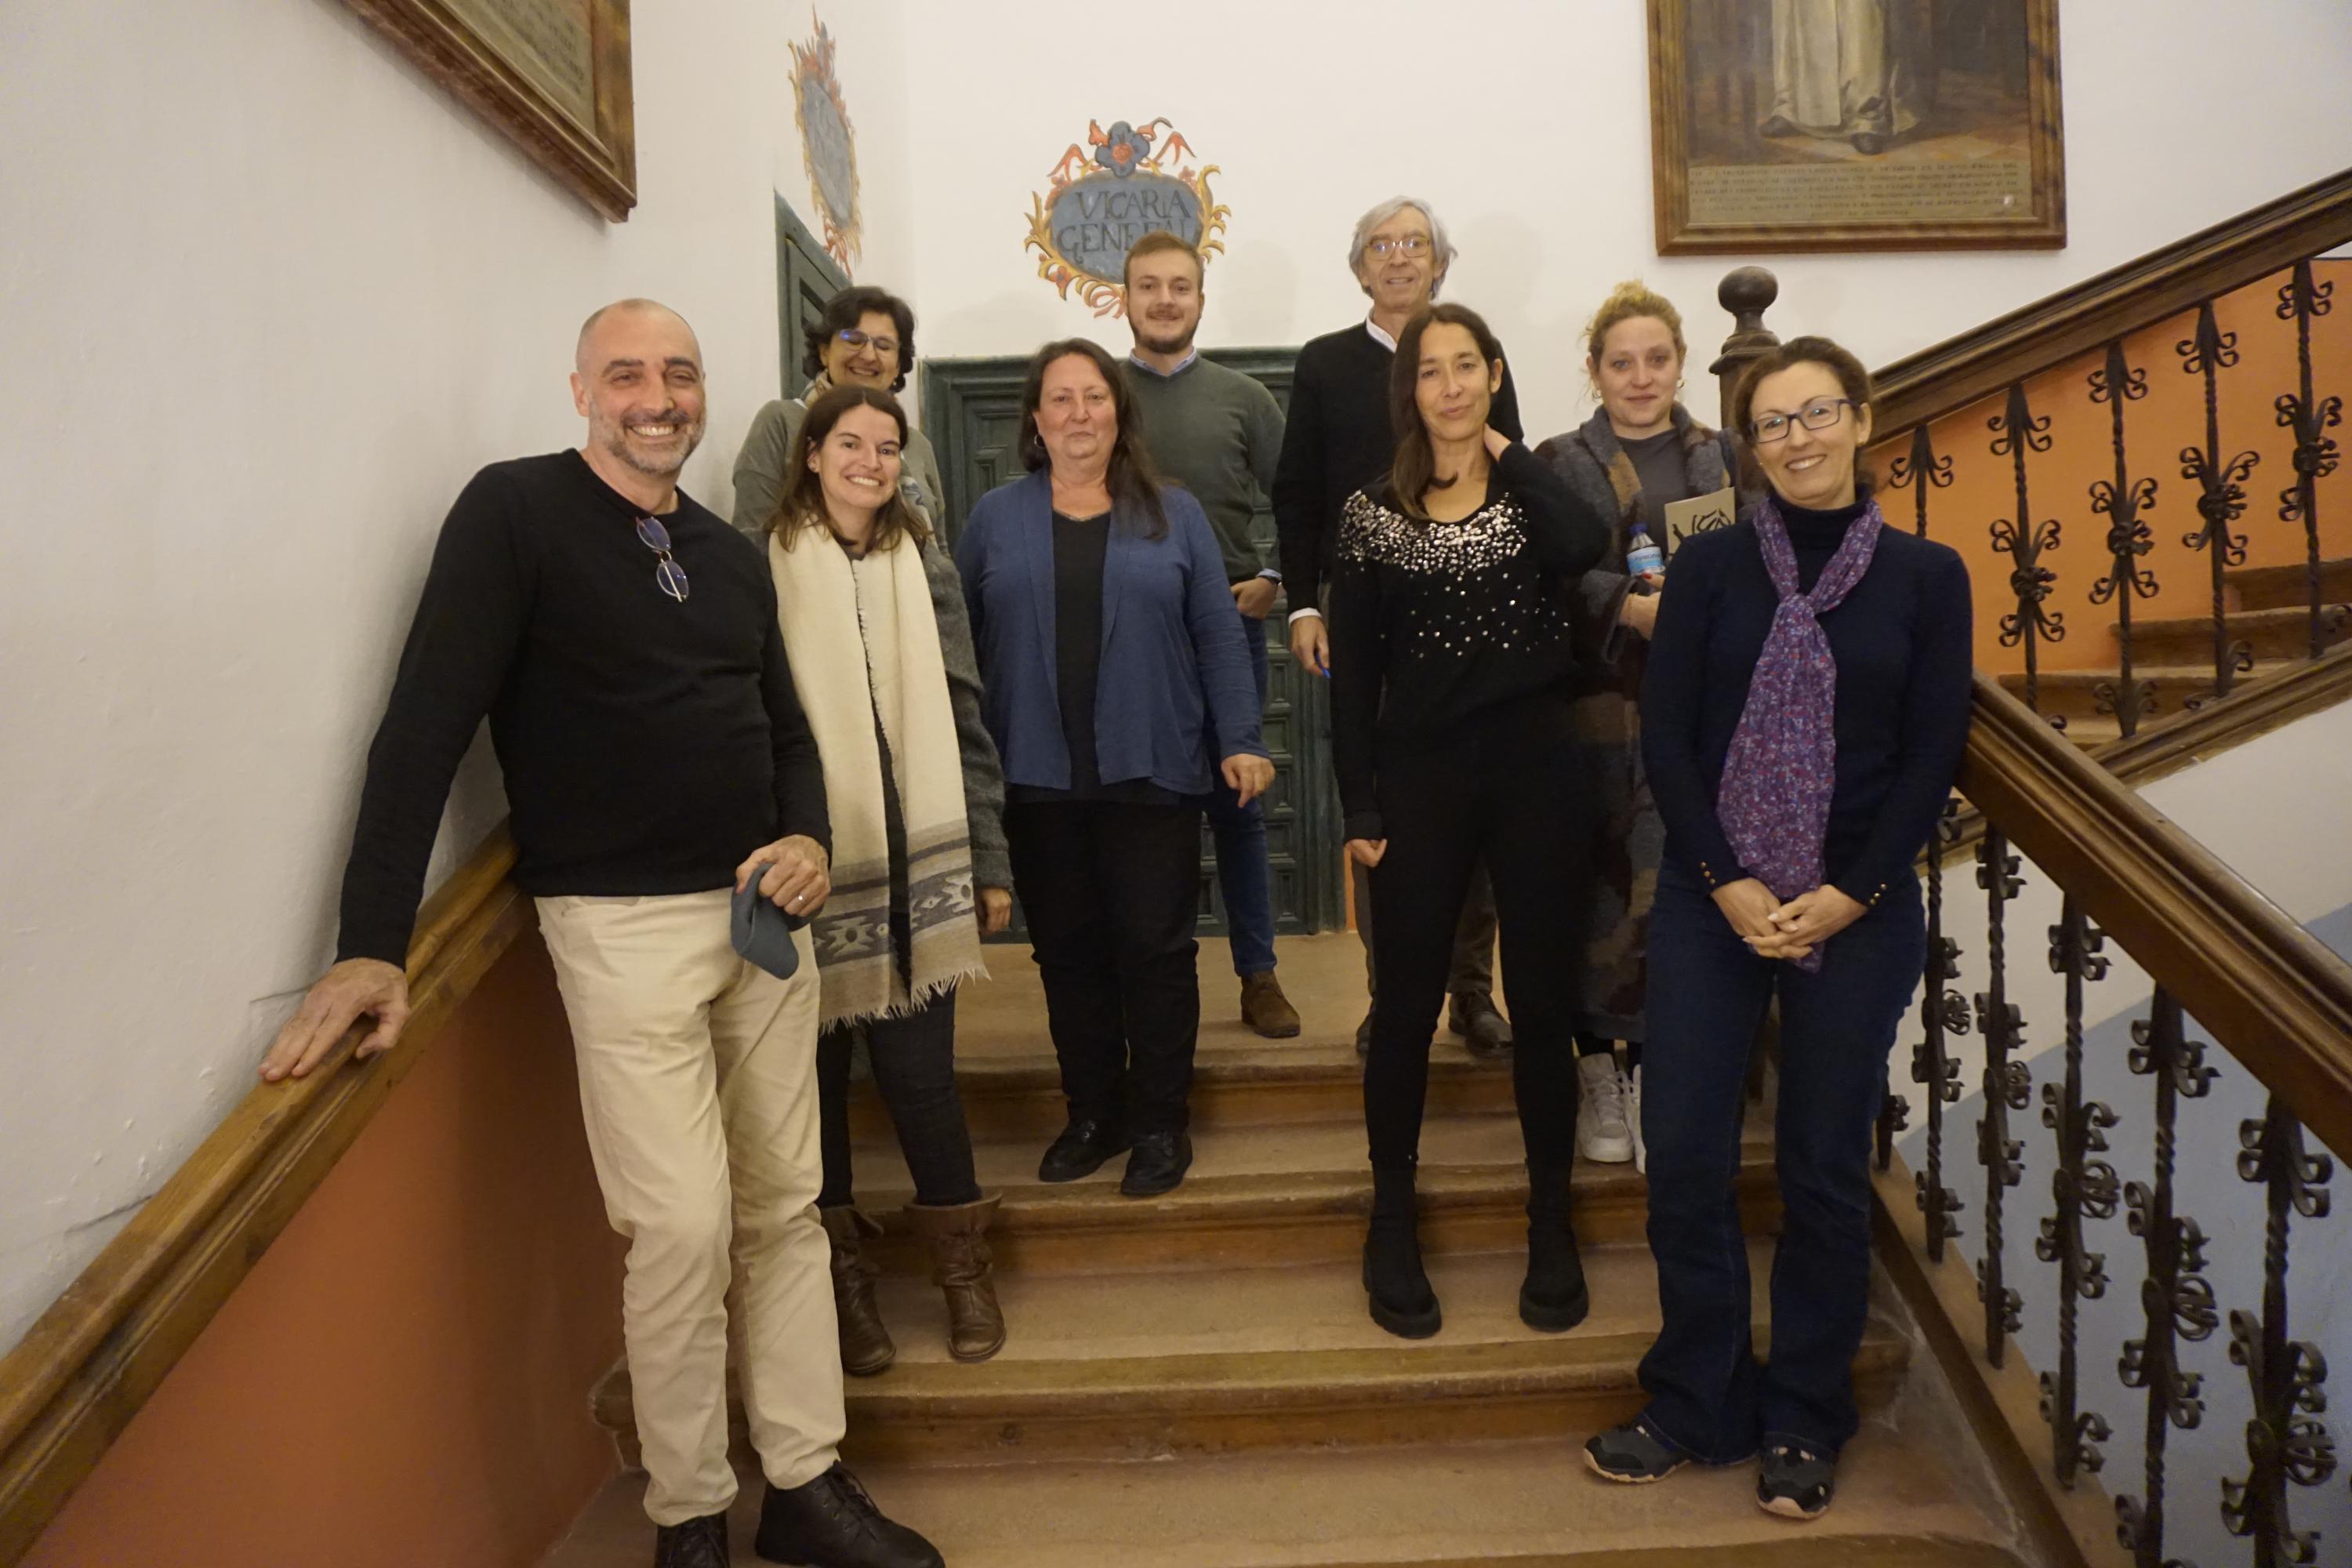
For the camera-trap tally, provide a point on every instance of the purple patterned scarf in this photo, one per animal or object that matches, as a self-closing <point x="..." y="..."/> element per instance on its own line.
<point x="1777" y="777"/>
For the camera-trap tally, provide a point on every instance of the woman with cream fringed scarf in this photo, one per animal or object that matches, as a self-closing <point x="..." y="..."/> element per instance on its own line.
<point x="876" y="631"/>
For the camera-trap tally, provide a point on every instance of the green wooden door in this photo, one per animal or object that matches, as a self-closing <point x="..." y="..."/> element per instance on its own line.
<point x="971" y="413"/>
<point x="805" y="279"/>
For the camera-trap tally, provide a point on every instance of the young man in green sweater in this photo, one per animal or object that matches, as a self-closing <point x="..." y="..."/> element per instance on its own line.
<point x="1217" y="433"/>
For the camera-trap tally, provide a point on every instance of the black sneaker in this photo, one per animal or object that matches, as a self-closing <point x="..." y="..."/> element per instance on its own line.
<point x="1795" y="1481"/>
<point x="1158" y="1165"/>
<point x="831" y="1523"/>
<point x="697" y="1544"/>
<point x="1633" y="1454"/>
<point x="1081" y="1149"/>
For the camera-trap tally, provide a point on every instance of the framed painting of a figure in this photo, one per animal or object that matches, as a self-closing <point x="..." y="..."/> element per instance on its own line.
<point x="1781" y="125"/>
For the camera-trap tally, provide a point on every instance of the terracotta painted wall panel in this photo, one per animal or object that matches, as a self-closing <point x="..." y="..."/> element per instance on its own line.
<point x="2156" y="427"/>
<point x="403" y="1378"/>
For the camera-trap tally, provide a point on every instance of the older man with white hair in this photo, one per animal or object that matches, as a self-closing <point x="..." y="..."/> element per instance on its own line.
<point x="624" y="644"/>
<point x="1338" y="440"/>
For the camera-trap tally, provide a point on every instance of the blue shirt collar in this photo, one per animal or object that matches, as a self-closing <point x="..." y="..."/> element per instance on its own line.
<point x="1182" y="365"/>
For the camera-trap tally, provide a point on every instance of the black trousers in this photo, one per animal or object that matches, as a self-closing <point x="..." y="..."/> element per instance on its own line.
<point x="914" y="1069"/>
<point x="1507" y="786"/>
<point x="1112" y="893"/>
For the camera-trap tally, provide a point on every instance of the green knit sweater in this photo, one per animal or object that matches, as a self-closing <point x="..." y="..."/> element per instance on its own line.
<point x="1218" y="433"/>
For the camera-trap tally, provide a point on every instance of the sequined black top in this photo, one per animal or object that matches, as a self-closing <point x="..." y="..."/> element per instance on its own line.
<point x="1433" y="622"/>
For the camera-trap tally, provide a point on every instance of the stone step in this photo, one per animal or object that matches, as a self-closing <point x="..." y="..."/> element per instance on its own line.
<point x="1144" y="1366"/>
<point x="1236" y="1083"/>
<point x="2073" y="694"/>
<point x="1475" y="1505"/>
<point x="2272" y="634"/>
<point x="1282" y="1194"/>
<point x="2288" y="587"/>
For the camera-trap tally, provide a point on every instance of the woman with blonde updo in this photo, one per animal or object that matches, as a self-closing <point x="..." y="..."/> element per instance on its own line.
<point x="1640" y="452"/>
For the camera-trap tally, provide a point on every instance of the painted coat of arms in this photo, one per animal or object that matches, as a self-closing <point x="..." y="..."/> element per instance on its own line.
<point x="827" y="142"/>
<point x="1107" y="194"/>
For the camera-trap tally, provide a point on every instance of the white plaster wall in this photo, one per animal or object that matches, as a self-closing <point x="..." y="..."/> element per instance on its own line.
<point x="270" y="296"/>
<point x="1526" y="123"/>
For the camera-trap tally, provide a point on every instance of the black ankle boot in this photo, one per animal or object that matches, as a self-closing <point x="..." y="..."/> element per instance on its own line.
<point x="1554" y="1297"/>
<point x="1402" y="1302"/>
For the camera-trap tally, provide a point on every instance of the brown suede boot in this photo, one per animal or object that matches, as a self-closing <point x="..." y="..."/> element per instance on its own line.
<point x="961" y="1265"/>
<point x="1265" y="1009"/>
<point x="865" y="1347"/>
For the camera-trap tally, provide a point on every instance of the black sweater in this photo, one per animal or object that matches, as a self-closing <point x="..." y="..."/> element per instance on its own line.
<point x="1335" y="440"/>
<point x="1902" y="640"/>
<point x="1432" y="623"/>
<point x="648" y="744"/>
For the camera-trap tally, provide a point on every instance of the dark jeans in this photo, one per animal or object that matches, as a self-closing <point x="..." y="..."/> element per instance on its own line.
<point x="1239" y="830"/>
<point x="1112" y="895"/>
<point x="1508" y="788"/>
<point x="1707" y="994"/>
<point x="914" y="1069"/>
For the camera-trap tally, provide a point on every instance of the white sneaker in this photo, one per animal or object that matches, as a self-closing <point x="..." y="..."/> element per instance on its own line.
<point x="1602" y="1133"/>
<point x="1633" y="1121"/>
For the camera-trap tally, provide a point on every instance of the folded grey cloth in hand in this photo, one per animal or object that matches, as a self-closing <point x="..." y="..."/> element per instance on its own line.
<point x="763" y="933"/>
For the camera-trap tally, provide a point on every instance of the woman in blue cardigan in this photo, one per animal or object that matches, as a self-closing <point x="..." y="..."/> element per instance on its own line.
<point x="1118" y="686"/>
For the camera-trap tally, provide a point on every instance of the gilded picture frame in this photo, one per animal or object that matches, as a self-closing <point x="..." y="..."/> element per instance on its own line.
<point x="553" y="75"/>
<point x="1806" y="125"/>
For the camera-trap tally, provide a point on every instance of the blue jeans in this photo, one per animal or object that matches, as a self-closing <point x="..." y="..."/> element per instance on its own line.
<point x="1707" y="998"/>
<point x="1242" y="872"/>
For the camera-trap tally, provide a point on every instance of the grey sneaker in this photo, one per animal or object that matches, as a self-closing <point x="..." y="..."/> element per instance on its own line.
<point x="1633" y="1454"/>
<point x="1602" y="1133"/>
<point x="1795" y="1481"/>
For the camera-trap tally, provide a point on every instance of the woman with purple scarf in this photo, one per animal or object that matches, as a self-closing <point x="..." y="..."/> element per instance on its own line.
<point x="1803" y="716"/>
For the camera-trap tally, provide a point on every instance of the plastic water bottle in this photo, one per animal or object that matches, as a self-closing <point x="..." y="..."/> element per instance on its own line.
<point x="1643" y="559"/>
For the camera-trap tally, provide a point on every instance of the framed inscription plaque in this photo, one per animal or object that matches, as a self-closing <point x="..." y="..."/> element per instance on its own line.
<point x="1784" y="125"/>
<point x="553" y="75"/>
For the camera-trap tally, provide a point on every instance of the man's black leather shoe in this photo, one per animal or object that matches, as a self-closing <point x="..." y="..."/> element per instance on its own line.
<point x="1158" y="1165"/>
<point x="697" y="1544"/>
<point x="1472" y="1016"/>
<point x="831" y="1523"/>
<point x="1081" y="1149"/>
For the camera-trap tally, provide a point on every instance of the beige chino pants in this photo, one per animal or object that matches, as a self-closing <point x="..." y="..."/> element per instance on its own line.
<point x="697" y="1081"/>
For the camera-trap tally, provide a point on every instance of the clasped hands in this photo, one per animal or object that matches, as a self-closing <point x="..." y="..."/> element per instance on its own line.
<point x="1773" y="929"/>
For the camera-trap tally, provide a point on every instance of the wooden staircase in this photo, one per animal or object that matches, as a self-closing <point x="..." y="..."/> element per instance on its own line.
<point x="2269" y="613"/>
<point x="1192" y="1382"/>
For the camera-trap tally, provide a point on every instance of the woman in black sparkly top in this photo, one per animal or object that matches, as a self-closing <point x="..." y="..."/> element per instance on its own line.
<point x="1452" y="666"/>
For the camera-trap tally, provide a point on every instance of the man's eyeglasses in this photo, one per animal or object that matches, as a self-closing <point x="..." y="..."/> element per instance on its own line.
<point x="887" y="347"/>
<point x="1410" y="245"/>
<point x="1818" y="415"/>
<point x="669" y="576"/>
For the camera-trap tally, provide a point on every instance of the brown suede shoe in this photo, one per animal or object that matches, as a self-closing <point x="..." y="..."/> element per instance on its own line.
<point x="1265" y="1009"/>
<point x="865" y="1347"/>
<point x="961" y="1266"/>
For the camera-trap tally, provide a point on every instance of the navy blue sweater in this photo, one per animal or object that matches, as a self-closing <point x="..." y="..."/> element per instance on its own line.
<point x="1902" y="640"/>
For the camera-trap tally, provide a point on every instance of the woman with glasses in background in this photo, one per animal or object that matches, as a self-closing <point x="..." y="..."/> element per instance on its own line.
<point x="865" y="338"/>
<point x="880" y="652"/>
<point x="1803" y="719"/>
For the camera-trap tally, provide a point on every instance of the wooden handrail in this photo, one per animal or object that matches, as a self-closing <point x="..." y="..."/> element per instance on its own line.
<point x="1959" y="371"/>
<point x="2178" y="740"/>
<point x="2274" y="997"/>
<point x="92" y="1359"/>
